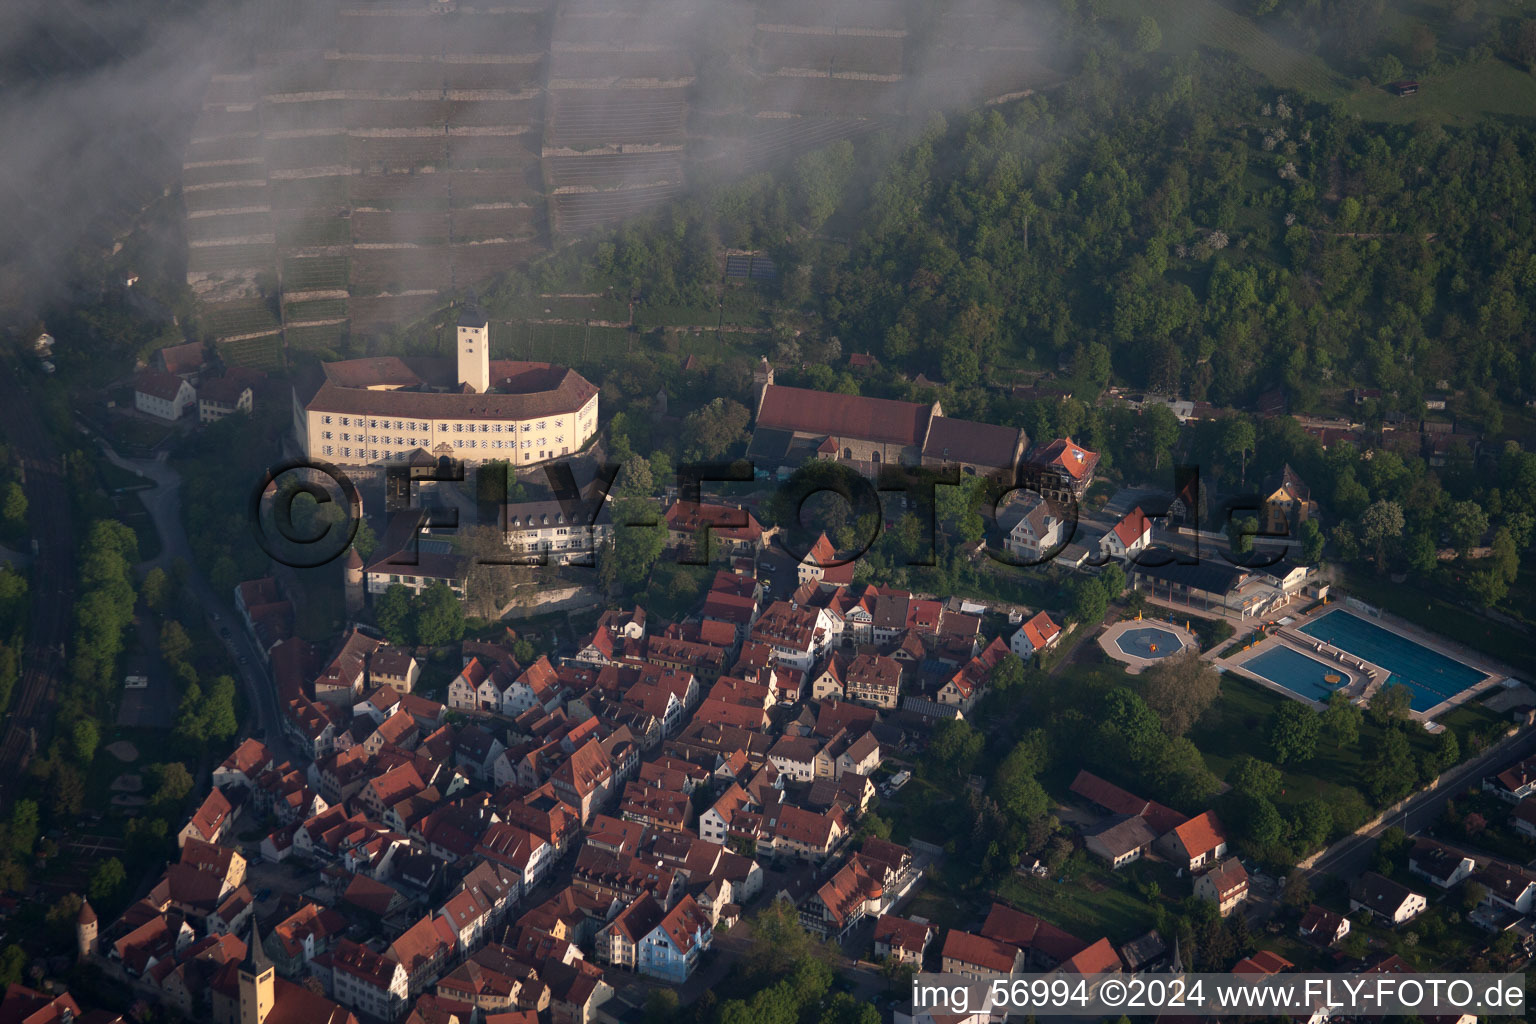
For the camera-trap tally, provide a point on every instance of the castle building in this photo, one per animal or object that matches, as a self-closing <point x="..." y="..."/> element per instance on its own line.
<point x="377" y="411"/>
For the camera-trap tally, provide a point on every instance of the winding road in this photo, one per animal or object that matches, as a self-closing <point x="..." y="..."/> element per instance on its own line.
<point x="50" y="523"/>
<point x="163" y="503"/>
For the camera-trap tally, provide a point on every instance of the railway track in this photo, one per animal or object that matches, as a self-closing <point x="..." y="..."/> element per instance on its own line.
<point x="50" y="523"/>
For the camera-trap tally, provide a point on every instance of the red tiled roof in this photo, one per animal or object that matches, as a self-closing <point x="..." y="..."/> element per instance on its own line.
<point x="1096" y="959"/>
<point x="979" y="951"/>
<point x="1040" y="631"/>
<point x="1076" y="460"/>
<point x="164" y="386"/>
<point x="852" y="416"/>
<point x="1133" y="527"/>
<point x="1201" y="834"/>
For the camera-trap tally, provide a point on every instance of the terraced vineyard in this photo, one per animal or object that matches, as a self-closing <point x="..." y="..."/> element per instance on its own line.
<point x="406" y="149"/>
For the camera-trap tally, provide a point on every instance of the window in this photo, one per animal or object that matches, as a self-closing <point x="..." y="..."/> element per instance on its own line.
<point x="346" y="452"/>
<point x="326" y="435"/>
<point x="542" y="441"/>
<point x="458" y="428"/>
<point x="527" y="427"/>
<point x="373" y="454"/>
<point x="346" y="421"/>
<point x="327" y="450"/>
<point x="559" y="439"/>
<point x="485" y="428"/>
<point x="325" y="419"/>
<point x="541" y="424"/>
<point x="527" y="443"/>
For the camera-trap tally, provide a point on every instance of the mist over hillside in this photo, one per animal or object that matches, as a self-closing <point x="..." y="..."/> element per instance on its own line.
<point x="344" y="164"/>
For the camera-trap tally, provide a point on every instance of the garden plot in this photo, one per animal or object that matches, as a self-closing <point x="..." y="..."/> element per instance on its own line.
<point x="494" y="186"/>
<point x="396" y="152"/>
<point x="400" y="113"/>
<point x="512" y="76"/>
<point x="490" y="152"/>
<point x="877" y="55"/>
<point x="314" y="273"/>
<point x="223" y="150"/>
<point x="382" y="312"/>
<point x="577" y="211"/>
<point x="223" y="258"/>
<point x="512" y="223"/>
<point x="580" y="117"/>
<point x="236" y="196"/>
<point x="302" y="115"/>
<point x="512" y="112"/>
<point x="422" y="228"/>
<point x="377" y="271"/>
<point x="608" y="170"/>
<point x="828" y="97"/>
<point x="387" y="190"/>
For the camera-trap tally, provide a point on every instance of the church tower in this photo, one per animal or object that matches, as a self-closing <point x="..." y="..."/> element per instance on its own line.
<point x="85" y="931"/>
<point x="257" y="981"/>
<point x="474" y="338"/>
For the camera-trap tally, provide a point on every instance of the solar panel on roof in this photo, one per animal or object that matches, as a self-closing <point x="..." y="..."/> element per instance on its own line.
<point x="737" y="266"/>
<point x="763" y="269"/>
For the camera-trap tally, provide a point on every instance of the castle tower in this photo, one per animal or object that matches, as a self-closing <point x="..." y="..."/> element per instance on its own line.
<point x="257" y="981"/>
<point x="474" y="338"/>
<point x="352" y="581"/>
<point x="86" y="927"/>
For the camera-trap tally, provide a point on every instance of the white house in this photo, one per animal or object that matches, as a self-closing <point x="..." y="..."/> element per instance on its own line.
<point x="163" y="394"/>
<point x="1032" y="529"/>
<point x="1130" y="536"/>
<point x="1392" y="903"/>
<point x="1034" y="635"/>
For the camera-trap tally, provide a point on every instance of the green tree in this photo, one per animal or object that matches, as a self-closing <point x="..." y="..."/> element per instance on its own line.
<point x="1148" y="36"/>
<point x="14" y="506"/>
<point x="661" y="1006"/>
<point x="1240" y="533"/>
<point x="1390" y="772"/>
<point x="85" y="735"/>
<point x="1391" y="704"/>
<point x="107" y="881"/>
<point x="175" y="645"/>
<point x="393" y="613"/>
<point x="1180" y="689"/>
<point x="1293" y="732"/>
<point x="173" y="783"/>
<point x="1386" y="69"/>
<point x="439" y="616"/>
<point x="1237" y="440"/>
<point x="13" y="964"/>
<point x="639" y="537"/>
<point x="22" y="833"/>
<point x="953" y="750"/>
<point x="714" y="430"/>
<point x="1467" y="522"/>
<point x="1381" y="525"/>
<point x="219" y="709"/>
<point x="156" y="589"/>
<point x="1311" y="542"/>
<point x="1251" y="777"/>
<point x="1342" y="719"/>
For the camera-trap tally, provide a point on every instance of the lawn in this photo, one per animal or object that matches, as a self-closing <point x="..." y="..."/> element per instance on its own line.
<point x="1236" y="725"/>
<point x="1096" y="903"/>
<point x="1189" y="25"/>
<point x="1462" y="95"/>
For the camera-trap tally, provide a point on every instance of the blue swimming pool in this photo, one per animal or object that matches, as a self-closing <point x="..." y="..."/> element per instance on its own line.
<point x="1296" y="672"/>
<point x="1150" y="642"/>
<point x="1433" y="677"/>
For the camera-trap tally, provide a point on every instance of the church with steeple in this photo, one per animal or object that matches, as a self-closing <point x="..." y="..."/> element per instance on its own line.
<point x="249" y="991"/>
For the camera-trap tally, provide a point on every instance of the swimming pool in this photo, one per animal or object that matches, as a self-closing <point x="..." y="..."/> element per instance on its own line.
<point x="1302" y="675"/>
<point x="1433" y="677"/>
<point x="1149" y="642"/>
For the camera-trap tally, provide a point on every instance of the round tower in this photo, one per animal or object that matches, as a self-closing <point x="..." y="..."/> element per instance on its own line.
<point x="86" y="927"/>
<point x="352" y="581"/>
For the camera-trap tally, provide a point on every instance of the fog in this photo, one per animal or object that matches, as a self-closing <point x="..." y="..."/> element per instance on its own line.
<point x="435" y="144"/>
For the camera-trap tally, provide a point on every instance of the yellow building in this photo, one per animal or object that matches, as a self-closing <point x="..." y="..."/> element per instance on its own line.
<point x="372" y="412"/>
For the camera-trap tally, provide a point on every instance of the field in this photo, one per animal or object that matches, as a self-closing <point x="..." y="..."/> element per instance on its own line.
<point x="1450" y="93"/>
<point x="314" y="273"/>
<point x="264" y="353"/>
<point x="229" y="319"/>
<point x="571" y="344"/>
<point x="315" y="309"/>
<point x="319" y="338"/>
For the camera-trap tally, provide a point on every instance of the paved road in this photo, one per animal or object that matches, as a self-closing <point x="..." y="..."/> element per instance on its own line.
<point x="50" y="523"/>
<point x="164" y="505"/>
<point x="1351" y="855"/>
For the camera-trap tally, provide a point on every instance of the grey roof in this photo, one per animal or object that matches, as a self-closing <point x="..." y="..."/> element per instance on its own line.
<point x="1120" y="835"/>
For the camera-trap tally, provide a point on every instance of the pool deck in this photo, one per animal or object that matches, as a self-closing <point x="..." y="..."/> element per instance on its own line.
<point x="1134" y="664"/>
<point x="1364" y="677"/>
